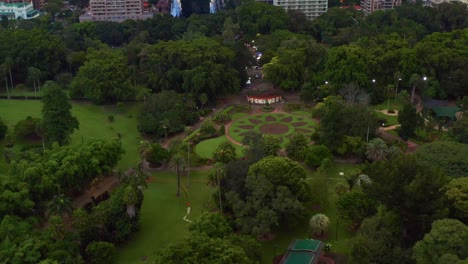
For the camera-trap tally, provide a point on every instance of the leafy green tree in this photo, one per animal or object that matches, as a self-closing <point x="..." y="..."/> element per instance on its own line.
<point x="271" y="145"/>
<point x="448" y="156"/>
<point x="409" y="120"/>
<point x="203" y="99"/>
<point x="101" y="252"/>
<point x="3" y="129"/>
<point x="255" y="17"/>
<point x="275" y="191"/>
<point x="213" y="225"/>
<point x="316" y="154"/>
<point x="457" y="193"/>
<point x="104" y="78"/>
<point x="224" y="153"/>
<point x="459" y="130"/>
<point x="177" y="161"/>
<point x="319" y="224"/>
<point x="355" y="206"/>
<point x="165" y="113"/>
<point x="15" y="199"/>
<point x="376" y="150"/>
<point x="447" y="236"/>
<point x="27" y="128"/>
<point x="297" y="146"/>
<point x="347" y="64"/>
<point x="57" y="121"/>
<point x="156" y="154"/>
<point x="402" y="186"/>
<point x="199" y="248"/>
<point x="208" y="127"/>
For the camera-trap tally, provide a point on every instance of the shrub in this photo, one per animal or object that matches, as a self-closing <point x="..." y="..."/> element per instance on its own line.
<point x="242" y="108"/>
<point x="3" y="129"/>
<point x="292" y="107"/>
<point x="110" y="118"/>
<point x="207" y="127"/>
<point x="21" y="87"/>
<point x="157" y="155"/>
<point x="222" y="117"/>
<point x="100" y="252"/>
<point x="28" y="127"/>
<point x="222" y="130"/>
<point x="316" y="154"/>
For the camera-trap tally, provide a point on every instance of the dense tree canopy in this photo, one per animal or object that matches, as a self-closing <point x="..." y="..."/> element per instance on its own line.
<point x="104" y="77"/>
<point x="275" y="192"/>
<point x="448" y="156"/>
<point x="198" y="66"/>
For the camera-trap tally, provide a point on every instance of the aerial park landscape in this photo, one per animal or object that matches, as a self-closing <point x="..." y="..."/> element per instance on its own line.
<point x="245" y="135"/>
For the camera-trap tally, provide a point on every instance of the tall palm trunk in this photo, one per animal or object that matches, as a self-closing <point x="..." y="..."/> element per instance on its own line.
<point x="6" y="84"/>
<point x="178" y="180"/>
<point x="11" y="77"/>
<point x="219" y="190"/>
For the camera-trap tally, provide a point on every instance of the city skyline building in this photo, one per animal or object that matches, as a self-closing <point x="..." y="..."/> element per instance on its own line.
<point x="370" y="6"/>
<point x="115" y="10"/>
<point x="18" y="10"/>
<point x="311" y="8"/>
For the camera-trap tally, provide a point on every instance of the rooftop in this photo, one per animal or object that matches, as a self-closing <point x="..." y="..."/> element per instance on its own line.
<point x="303" y="251"/>
<point x="17" y="5"/>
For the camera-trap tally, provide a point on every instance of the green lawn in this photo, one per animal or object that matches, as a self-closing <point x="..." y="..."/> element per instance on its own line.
<point x="93" y="120"/>
<point x="394" y="105"/>
<point x="162" y="213"/>
<point x="238" y="115"/>
<point x="206" y="148"/>
<point x="391" y="120"/>
<point x="340" y="245"/>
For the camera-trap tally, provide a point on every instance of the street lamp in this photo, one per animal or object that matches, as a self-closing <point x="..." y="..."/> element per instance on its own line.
<point x="424" y="78"/>
<point x="326" y="82"/>
<point x="373" y="80"/>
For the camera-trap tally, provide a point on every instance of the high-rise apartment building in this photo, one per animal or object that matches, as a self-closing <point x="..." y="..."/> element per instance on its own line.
<point x="115" y="10"/>
<point x="311" y="8"/>
<point x="369" y="6"/>
<point x="18" y="10"/>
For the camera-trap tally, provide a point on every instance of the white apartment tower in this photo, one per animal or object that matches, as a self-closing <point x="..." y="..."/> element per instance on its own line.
<point x="370" y="6"/>
<point x="311" y="8"/>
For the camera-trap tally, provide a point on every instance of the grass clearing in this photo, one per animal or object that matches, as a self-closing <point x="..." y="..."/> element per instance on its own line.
<point x="162" y="213"/>
<point x="94" y="124"/>
<point x="392" y="103"/>
<point x="391" y="120"/>
<point x="206" y="148"/>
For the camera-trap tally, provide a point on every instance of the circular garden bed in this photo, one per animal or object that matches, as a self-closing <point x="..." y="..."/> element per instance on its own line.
<point x="281" y="125"/>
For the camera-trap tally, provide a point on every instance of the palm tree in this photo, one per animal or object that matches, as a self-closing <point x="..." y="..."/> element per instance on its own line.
<point x="177" y="161"/>
<point x="8" y="64"/>
<point x="362" y="179"/>
<point x="376" y="150"/>
<point x="60" y="205"/>
<point x="34" y="74"/>
<point x="130" y="198"/>
<point x="220" y="172"/>
<point x="393" y="152"/>
<point x="319" y="223"/>
<point x="4" y="70"/>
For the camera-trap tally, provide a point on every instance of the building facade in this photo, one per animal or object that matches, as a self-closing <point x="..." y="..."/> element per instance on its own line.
<point x="115" y="10"/>
<point x="433" y="3"/>
<point x="18" y="10"/>
<point x="370" y="6"/>
<point x="38" y="4"/>
<point x="311" y="8"/>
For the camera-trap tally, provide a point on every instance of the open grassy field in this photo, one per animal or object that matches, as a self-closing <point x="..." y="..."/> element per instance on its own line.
<point x="206" y="148"/>
<point x="94" y="124"/>
<point x="391" y="120"/>
<point x="392" y="103"/>
<point x="162" y="213"/>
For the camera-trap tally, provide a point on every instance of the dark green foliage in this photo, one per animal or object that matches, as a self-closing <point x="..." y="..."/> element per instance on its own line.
<point x="448" y="156"/>
<point x="165" y="109"/>
<point x="156" y="155"/>
<point x="274" y="193"/>
<point x="222" y="117"/>
<point x="68" y="168"/>
<point x="213" y="225"/>
<point x="459" y="130"/>
<point x="292" y="107"/>
<point x="224" y="153"/>
<point x="297" y="147"/>
<point x="447" y="236"/>
<point x="208" y="127"/>
<point x="27" y="128"/>
<point x="355" y="206"/>
<point x="456" y="192"/>
<point x="3" y="129"/>
<point x="315" y="154"/>
<point x="402" y="186"/>
<point x="15" y="199"/>
<point x="222" y="130"/>
<point x="101" y="252"/>
<point x="409" y="120"/>
<point x="104" y="78"/>
<point x="57" y="122"/>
